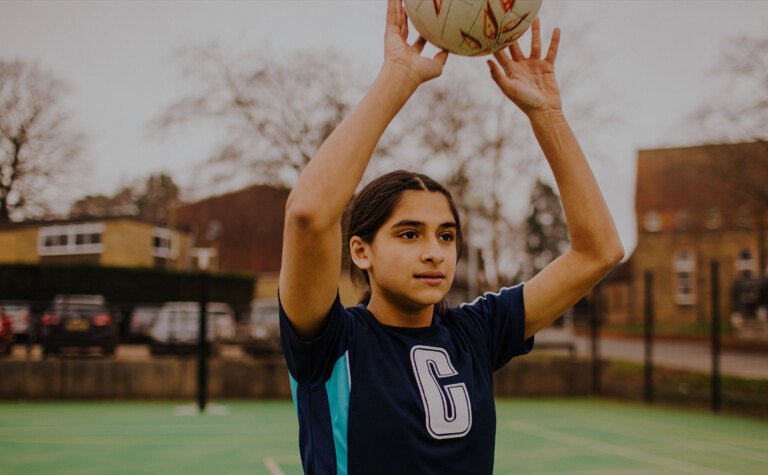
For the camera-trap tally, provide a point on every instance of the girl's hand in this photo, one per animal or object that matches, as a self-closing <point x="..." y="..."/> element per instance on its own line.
<point x="405" y="58"/>
<point x="529" y="82"/>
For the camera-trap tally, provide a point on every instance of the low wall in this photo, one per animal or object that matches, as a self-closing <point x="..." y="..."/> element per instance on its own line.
<point x="171" y="378"/>
<point x="166" y="378"/>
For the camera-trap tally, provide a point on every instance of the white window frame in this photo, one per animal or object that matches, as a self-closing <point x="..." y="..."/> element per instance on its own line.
<point x="746" y="265"/>
<point x="203" y="256"/>
<point x="652" y="222"/>
<point x="172" y="251"/>
<point x="71" y="231"/>
<point x="685" y="269"/>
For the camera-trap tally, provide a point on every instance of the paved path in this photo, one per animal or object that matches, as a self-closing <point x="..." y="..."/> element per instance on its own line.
<point x="671" y="354"/>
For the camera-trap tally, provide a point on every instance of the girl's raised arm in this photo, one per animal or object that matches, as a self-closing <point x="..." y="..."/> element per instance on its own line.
<point x="595" y="247"/>
<point x="311" y="262"/>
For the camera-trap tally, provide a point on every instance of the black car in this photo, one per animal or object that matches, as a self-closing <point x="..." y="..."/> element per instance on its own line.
<point x="78" y="321"/>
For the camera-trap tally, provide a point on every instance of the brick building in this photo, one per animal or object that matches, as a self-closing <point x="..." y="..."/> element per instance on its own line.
<point x="694" y="205"/>
<point x="242" y="231"/>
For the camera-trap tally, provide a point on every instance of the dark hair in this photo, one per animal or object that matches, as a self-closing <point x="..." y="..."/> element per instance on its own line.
<point x="373" y="206"/>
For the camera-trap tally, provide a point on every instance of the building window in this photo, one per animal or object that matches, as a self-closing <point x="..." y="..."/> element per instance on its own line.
<point x="164" y="244"/>
<point x="685" y="277"/>
<point x="746" y="264"/>
<point x="714" y="219"/>
<point x="652" y="222"/>
<point x="69" y="239"/>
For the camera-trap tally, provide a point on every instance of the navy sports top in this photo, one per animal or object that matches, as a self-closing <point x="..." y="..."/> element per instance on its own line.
<point x="376" y="399"/>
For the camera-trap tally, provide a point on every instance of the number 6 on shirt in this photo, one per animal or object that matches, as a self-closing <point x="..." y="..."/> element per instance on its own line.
<point x="447" y="408"/>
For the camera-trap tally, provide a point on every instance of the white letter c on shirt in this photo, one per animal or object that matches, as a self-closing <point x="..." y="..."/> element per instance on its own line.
<point x="447" y="408"/>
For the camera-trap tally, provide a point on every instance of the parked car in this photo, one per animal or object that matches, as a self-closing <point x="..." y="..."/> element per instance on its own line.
<point x="262" y="330"/>
<point x="20" y="315"/>
<point x="177" y="326"/>
<point x="142" y="319"/>
<point x="6" y="335"/>
<point x="78" y="321"/>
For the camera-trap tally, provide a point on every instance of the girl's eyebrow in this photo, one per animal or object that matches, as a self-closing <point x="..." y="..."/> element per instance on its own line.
<point x="411" y="223"/>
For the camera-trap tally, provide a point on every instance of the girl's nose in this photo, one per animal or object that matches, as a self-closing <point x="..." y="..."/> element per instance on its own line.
<point x="433" y="252"/>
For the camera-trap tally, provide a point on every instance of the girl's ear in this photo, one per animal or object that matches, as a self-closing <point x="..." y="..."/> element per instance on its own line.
<point x="359" y="251"/>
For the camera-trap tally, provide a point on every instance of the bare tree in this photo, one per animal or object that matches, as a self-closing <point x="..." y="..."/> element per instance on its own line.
<point x="37" y="147"/>
<point x="274" y="114"/>
<point x="159" y="195"/>
<point x="546" y="230"/>
<point x="150" y="199"/>
<point x="738" y="109"/>
<point x="122" y="203"/>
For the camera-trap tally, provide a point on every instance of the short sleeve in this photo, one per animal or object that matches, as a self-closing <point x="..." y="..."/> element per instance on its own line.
<point x="502" y="315"/>
<point x="311" y="362"/>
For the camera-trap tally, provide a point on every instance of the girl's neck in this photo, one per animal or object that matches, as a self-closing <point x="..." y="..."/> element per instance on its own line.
<point x="392" y="314"/>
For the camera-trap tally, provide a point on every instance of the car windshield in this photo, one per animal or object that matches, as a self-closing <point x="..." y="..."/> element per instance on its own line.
<point x="15" y="310"/>
<point x="264" y="315"/>
<point x="77" y="308"/>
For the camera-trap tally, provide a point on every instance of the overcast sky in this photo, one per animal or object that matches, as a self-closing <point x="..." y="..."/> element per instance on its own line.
<point x="657" y="57"/>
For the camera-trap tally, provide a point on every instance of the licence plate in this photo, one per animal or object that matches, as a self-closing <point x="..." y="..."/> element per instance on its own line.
<point x="76" y="325"/>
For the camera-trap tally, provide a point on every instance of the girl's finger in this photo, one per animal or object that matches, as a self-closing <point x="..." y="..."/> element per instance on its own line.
<point x="392" y="14"/>
<point x="441" y="57"/>
<point x="495" y="73"/>
<point x="553" y="45"/>
<point x="536" y="39"/>
<point x="402" y="20"/>
<point x="516" y="52"/>
<point x="503" y="60"/>
<point x="498" y="77"/>
<point x="419" y="44"/>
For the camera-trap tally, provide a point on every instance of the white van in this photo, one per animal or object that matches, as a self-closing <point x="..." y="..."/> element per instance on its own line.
<point x="177" y="326"/>
<point x="262" y="331"/>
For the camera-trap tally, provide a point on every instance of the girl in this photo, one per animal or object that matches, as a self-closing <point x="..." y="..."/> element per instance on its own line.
<point x="400" y="384"/>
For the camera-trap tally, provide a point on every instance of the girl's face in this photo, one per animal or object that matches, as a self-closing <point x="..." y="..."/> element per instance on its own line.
<point x="412" y="259"/>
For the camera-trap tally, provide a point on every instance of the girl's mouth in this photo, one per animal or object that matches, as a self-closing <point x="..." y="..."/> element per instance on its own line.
<point x="431" y="278"/>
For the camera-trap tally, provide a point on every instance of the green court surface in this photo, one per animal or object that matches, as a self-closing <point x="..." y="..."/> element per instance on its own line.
<point x="578" y="436"/>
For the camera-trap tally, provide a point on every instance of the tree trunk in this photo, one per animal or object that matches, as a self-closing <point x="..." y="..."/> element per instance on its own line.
<point x="761" y="270"/>
<point x="5" y="217"/>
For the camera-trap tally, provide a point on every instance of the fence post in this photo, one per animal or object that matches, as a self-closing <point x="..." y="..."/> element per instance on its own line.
<point x="594" y="323"/>
<point x="202" y="345"/>
<point x="648" y="382"/>
<point x="716" y="389"/>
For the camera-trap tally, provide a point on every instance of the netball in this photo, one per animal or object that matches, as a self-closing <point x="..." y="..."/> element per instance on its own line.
<point x="472" y="27"/>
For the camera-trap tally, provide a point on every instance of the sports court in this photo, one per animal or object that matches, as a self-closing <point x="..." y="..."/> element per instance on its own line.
<point x="580" y="436"/>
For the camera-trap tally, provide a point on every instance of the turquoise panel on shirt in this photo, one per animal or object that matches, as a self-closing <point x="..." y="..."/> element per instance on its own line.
<point x="294" y="388"/>
<point x="338" y="388"/>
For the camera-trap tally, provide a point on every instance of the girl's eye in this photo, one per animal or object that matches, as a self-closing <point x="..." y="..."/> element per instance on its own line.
<point x="448" y="237"/>
<point x="409" y="235"/>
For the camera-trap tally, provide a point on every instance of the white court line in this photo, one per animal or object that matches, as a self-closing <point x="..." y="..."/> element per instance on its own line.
<point x="686" y="441"/>
<point x="632" y="454"/>
<point x="604" y="471"/>
<point x="728" y="442"/>
<point x="272" y="466"/>
<point x="691" y="443"/>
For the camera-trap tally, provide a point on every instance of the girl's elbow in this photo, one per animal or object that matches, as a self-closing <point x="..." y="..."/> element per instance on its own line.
<point x="612" y="255"/>
<point x="307" y="217"/>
